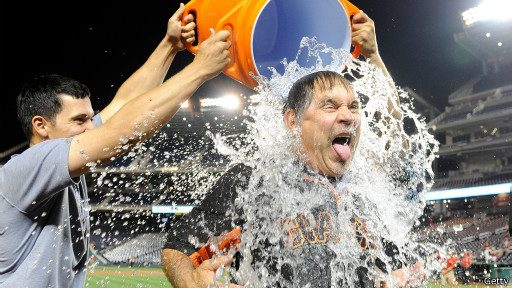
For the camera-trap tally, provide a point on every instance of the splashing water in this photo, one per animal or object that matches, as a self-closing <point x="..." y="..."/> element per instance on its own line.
<point x="381" y="196"/>
<point x="287" y="218"/>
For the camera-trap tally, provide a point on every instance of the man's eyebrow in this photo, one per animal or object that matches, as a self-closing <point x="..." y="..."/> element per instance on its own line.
<point x="329" y="100"/>
<point x="82" y="115"/>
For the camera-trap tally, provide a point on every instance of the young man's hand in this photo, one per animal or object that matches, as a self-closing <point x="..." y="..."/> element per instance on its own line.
<point x="179" y="36"/>
<point x="363" y="35"/>
<point x="213" y="54"/>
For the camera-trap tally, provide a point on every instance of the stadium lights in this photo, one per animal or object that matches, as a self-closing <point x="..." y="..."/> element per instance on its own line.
<point x="488" y="10"/>
<point x="469" y="192"/>
<point x="229" y="102"/>
<point x="170" y="169"/>
<point x="185" y="104"/>
<point x="171" y="209"/>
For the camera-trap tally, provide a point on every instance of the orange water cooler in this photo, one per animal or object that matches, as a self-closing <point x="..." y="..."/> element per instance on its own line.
<point x="264" y="32"/>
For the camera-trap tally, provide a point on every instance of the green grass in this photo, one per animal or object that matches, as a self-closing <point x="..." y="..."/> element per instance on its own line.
<point x="126" y="281"/>
<point x="460" y="286"/>
<point x="119" y="277"/>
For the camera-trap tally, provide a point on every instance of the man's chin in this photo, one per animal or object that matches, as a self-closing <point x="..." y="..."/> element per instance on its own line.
<point x="336" y="174"/>
<point x="339" y="169"/>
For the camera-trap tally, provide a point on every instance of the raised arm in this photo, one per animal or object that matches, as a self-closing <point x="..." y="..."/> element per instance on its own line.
<point x="142" y="116"/>
<point x="363" y="35"/>
<point x="152" y="73"/>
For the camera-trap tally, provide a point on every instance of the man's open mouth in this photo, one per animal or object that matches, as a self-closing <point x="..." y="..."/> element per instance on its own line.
<point x="342" y="140"/>
<point x="341" y="146"/>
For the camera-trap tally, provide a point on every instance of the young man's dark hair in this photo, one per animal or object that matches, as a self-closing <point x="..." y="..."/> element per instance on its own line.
<point x="40" y="96"/>
<point x="43" y="192"/>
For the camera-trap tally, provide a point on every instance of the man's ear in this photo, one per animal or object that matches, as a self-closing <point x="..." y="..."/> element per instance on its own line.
<point x="290" y="120"/>
<point x="40" y="126"/>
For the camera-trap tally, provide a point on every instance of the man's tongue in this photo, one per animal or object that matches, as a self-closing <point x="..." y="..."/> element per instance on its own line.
<point x="343" y="150"/>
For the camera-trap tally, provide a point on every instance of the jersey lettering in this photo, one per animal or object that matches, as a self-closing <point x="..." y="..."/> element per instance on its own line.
<point x="317" y="229"/>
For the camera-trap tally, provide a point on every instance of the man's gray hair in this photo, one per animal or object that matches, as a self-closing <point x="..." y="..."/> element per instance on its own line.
<point x="301" y="93"/>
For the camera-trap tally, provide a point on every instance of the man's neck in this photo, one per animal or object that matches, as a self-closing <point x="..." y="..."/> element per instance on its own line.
<point x="313" y="173"/>
<point x="35" y="140"/>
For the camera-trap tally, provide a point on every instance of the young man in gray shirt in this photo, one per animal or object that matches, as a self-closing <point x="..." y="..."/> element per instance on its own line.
<point x="44" y="227"/>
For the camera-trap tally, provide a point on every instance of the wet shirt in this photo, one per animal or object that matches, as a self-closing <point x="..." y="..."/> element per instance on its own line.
<point x="44" y="227"/>
<point x="305" y="235"/>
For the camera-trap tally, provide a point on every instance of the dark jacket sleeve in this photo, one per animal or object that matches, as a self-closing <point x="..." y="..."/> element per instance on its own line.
<point x="215" y="215"/>
<point x="391" y="251"/>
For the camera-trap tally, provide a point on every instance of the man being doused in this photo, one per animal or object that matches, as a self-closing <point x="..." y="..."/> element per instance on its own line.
<point x="322" y="114"/>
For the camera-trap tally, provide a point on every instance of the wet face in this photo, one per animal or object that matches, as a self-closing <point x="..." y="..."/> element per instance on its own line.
<point x="74" y="118"/>
<point x="329" y="131"/>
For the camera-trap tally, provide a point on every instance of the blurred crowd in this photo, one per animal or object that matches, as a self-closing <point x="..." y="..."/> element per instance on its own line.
<point x="458" y="268"/>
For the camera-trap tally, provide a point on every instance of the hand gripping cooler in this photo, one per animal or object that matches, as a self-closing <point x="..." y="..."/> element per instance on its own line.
<point x="264" y="32"/>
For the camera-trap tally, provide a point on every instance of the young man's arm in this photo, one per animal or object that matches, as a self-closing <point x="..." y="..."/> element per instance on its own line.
<point x="153" y="72"/>
<point x="363" y="35"/>
<point x="142" y="116"/>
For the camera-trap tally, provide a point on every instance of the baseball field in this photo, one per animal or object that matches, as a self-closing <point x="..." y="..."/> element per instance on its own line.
<point x="119" y="276"/>
<point x="143" y="277"/>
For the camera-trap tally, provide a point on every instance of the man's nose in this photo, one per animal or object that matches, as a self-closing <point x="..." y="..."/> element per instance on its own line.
<point x="345" y="115"/>
<point x="89" y="125"/>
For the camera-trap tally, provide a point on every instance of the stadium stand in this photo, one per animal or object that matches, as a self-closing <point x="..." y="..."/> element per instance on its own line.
<point x="145" y="248"/>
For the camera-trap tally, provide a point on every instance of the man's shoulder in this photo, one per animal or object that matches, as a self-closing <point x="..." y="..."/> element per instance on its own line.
<point x="96" y="120"/>
<point x="36" y="174"/>
<point x="227" y="186"/>
<point x="236" y="176"/>
<point x="239" y="170"/>
<point x="38" y="150"/>
<point x="48" y="158"/>
<point x="47" y="145"/>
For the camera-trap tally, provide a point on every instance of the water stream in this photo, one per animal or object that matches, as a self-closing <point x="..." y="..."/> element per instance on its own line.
<point x="381" y="195"/>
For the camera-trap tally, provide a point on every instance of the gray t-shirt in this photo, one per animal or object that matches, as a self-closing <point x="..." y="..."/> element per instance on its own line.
<point x="44" y="222"/>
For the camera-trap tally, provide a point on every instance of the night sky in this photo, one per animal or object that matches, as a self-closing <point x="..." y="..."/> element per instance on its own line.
<point x="101" y="44"/>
